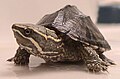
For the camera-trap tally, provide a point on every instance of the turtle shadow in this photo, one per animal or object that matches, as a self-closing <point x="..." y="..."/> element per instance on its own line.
<point x="60" y="66"/>
<point x="44" y="68"/>
<point x="47" y="68"/>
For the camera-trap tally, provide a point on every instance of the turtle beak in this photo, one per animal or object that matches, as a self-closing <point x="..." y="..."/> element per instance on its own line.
<point x="14" y="26"/>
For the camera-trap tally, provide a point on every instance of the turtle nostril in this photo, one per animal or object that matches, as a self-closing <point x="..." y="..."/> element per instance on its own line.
<point x="13" y="26"/>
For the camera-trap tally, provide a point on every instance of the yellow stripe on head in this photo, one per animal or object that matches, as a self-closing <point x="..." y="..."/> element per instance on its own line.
<point x="31" y="26"/>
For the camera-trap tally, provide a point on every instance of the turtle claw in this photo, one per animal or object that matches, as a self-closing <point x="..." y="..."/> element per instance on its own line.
<point x="110" y="62"/>
<point x="107" y="60"/>
<point x="11" y="59"/>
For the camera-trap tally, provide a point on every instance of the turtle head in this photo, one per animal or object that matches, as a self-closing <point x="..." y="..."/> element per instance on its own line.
<point x="30" y="37"/>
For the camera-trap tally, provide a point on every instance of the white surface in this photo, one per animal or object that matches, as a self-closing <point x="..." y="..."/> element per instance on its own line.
<point x="36" y="70"/>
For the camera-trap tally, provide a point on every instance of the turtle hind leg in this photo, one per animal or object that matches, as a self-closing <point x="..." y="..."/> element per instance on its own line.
<point x="105" y="59"/>
<point x="92" y="60"/>
<point x="21" y="57"/>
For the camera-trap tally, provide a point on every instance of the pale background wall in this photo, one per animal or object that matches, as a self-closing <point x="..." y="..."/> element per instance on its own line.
<point x="30" y="11"/>
<point x="109" y="1"/>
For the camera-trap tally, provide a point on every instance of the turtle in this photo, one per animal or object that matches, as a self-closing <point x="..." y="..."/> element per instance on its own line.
<point x="70" y="23"/>
<point x="66" y="35"/>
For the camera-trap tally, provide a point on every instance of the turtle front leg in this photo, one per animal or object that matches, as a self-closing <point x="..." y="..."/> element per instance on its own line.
<point x="21" y="57"/>
<point x="92" y="60"/>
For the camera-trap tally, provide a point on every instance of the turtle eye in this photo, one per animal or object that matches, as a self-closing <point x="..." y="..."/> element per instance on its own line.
<point x="27" y="31"/>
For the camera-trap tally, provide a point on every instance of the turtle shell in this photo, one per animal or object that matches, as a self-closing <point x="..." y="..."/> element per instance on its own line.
<point x="76" y="25"/>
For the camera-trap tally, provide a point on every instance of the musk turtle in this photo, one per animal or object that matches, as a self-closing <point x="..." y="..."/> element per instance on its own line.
<point x="66" y="35"/>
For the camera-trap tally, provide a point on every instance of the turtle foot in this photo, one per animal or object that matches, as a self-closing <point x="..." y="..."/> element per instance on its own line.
<point x="97" y="66"/>
<point x="19" y="60"/>
<point x="21" y="57"/>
